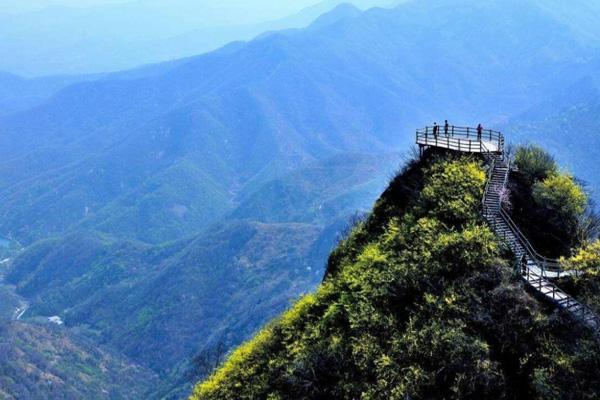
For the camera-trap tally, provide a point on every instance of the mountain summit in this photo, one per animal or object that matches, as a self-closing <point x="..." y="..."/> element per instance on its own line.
<point x="422" y="300"/>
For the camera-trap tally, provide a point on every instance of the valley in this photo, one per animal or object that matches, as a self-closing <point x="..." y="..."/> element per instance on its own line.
<point x="165" y="214"/>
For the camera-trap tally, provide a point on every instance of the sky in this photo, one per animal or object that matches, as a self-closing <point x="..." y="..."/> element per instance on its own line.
<point x="50" y="37"/>
<point x="223" y="9"/>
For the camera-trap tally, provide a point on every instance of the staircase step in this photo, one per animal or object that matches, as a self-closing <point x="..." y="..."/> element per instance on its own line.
<point x="535" y="276"/>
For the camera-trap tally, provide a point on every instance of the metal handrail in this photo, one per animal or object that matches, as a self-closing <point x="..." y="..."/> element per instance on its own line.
<point x="550" y="264"/>
<point x="488" y="182"/>
<point x="460" y="138"/>
<point x="564" y="299"/>
<point x="545" y="263"/>
<point x="465" y="131"/>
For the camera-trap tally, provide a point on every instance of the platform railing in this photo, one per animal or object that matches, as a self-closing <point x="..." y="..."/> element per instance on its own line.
<point x="460" y="138"/>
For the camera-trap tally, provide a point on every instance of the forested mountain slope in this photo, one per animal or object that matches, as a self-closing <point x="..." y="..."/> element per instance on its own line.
<point x="225" y="177"/>
<point x="173" y="300"/>
<point x="419" y="302"/>
<point x="43" y="362"/>
<point x="225" y="121"/>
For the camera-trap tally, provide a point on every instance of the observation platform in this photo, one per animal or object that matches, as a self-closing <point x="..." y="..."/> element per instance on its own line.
<point x="464" y="139"/>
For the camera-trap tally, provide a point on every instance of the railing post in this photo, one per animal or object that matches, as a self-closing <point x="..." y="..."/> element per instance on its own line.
<point x="467" y="132"/>
<point x="543" y="270"/>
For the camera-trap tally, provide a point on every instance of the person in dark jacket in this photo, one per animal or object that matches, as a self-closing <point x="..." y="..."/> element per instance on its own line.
<point x="479" y="131"/>
<point x="446" y="128"/>
<point x="436" y="130"/>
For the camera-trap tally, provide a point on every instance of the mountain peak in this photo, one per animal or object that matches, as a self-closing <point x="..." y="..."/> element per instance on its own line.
<point x="420" y="302"/>
<point x="340" y="12"/>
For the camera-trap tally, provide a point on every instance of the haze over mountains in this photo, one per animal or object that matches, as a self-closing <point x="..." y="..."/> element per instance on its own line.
<point x="77" y="39"/>
<point x="201" y="195"/>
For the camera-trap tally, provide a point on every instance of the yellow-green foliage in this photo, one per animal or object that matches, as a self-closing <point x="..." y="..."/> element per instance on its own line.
<point x="453" y="190"/>
<point x="560" y="192"/>
<point x="535" y="163"/>
<point x="587" y="260"/>
<point x="419" y="310"/>
<point x="242" y="364"/>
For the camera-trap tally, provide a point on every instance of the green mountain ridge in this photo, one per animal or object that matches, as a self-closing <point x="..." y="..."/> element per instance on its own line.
<point x="248" y="113"/>
<point x="420" y="302"/>
<point x="192" y="286"/>
<point x="224" y="283"/>
<point x="238" y="168"/>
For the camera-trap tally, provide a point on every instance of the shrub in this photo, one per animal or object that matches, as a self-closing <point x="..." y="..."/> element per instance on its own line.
<point x="562" y="196"/>
<point x="453" y="190"/>
<point x="535" y="163"/>
<point x="586" y="260"/>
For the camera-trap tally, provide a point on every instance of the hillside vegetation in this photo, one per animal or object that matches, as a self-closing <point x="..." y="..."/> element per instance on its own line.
<point x="172" y="300"/>
<point x="125" y="188"/>
<point x="420" y="302"/>
<point x="44" y="362"/>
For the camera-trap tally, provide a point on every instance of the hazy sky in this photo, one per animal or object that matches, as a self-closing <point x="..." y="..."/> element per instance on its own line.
<point x="46" y="37"/>
<point x="270" y="8"/>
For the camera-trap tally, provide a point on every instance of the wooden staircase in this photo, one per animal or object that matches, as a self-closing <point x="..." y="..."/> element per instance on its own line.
<point x="537" y="270"/>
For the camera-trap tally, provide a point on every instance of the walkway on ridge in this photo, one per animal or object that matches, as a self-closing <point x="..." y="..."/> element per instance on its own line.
<point x="539" y="270"/>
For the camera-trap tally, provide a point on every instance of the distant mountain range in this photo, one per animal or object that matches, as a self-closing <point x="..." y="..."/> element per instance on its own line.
<point x="568" y="126"/>
<point x="109" y="36"/>
<point x="114" y="153"/>
<point x="170" y="207"/>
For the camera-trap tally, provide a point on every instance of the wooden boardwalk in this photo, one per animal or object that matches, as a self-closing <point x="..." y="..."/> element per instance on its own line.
<point x="538" y="271"/>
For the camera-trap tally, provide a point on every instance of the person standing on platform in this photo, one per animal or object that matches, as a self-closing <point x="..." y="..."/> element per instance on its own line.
<point x="446" y="128"/>
<point x="436" y="130"/>
<point x="479" y="131"/>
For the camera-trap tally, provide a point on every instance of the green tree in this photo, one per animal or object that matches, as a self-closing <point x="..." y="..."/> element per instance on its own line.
<point x="563" y="199"/>
<point x="586" y="260"/>
<point x="453" y="190"/>
<point x="535" y="163"/>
